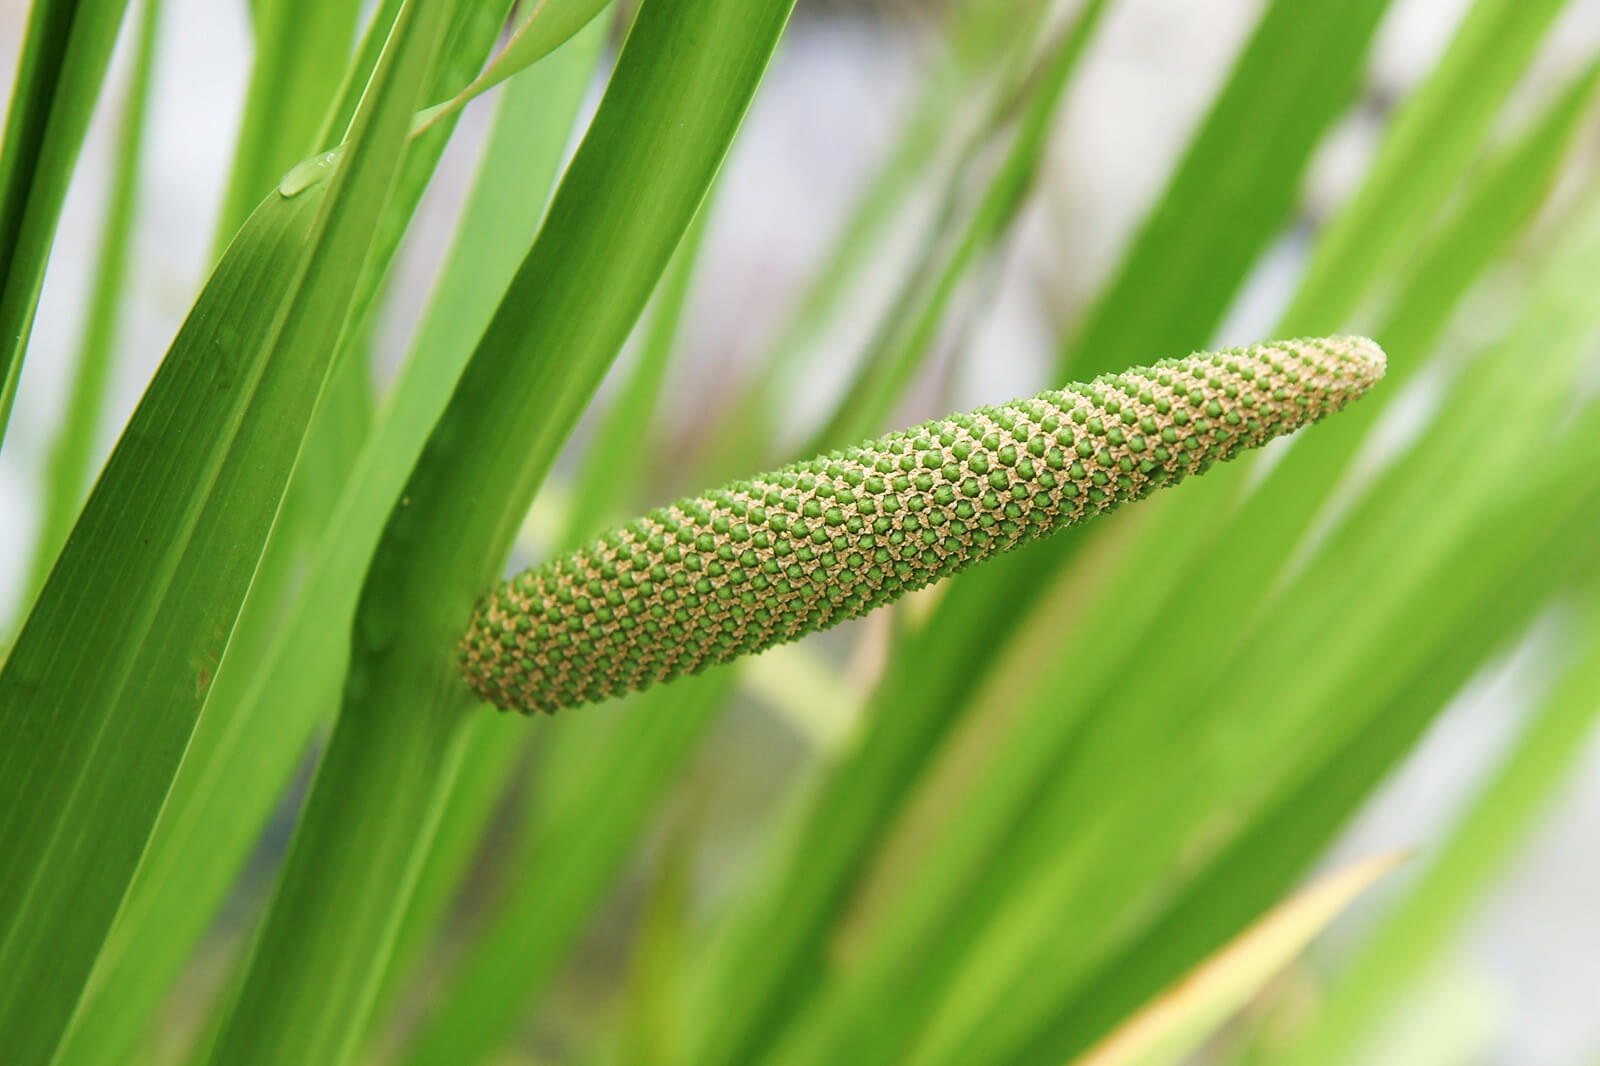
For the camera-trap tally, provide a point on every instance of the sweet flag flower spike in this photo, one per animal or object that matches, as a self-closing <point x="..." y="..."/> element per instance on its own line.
<point x="769" y="560"/>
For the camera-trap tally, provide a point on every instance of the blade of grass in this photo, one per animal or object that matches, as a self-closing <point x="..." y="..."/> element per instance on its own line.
<point x="545" y="98"/>
<point x="1234" y="189"/>
<point x="1427" y="146"/>
<point x="302" y="48"/>
<point x="547" y="25"/>
<point x="34" y="814"/>
<point x="64" y="58"/>
<point x="68" y="466"/>
<point x="1171" y="1028"/>
<point x="517" y="949"/>
<point x="683" y="82"/>
<point x="156" y="928"/>
<point x="587" y="835"/>
<point x="1411" y="935"/>
<point x="910" y="325"/>
<point x="241" y="760"/>
<point x="181" y="529"/>
<point x="1290" y="834"/>
<point x="1230" y="577"/>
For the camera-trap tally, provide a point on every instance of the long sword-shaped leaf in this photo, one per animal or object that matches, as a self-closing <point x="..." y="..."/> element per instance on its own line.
<point x="683" y="82"/>
<point x="64" y="59"/>
<point x="1234" y="189"/>
<point x="67" y="475"/>
<point x="113" y="665"/>
<point x="1430" y="141"/>
<point x="1462" y="867"/>
<point x="1166" y="1031"/>
<point x="301" y="49"/>
<point x="242" y="758"/>
<point x="62" y="688"/>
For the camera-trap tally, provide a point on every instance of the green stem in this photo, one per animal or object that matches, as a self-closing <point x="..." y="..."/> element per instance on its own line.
<point x="378" y="791"/>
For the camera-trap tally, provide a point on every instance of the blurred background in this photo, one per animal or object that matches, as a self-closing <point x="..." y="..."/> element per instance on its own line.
<point x="1522" y="983"/>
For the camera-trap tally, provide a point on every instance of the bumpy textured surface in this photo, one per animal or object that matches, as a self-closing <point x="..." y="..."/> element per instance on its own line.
<point x="766" y="561"/>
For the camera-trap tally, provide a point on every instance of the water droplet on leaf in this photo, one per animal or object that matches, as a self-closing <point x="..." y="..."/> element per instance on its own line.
<point x="308" y="172"/>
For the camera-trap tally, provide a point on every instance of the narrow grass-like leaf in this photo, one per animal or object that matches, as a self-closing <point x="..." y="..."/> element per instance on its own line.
<point x="615" y="463"/>
<point x="68" y="470"/>
<point x="1279" y="724"/>
<point x="47" y="753"/>
<point x="517" y="947"/>
<point x="911" y="323"/>
<point x="543" y="100"/>
<point x="1235" y="187"/>
<point x="176" y="891"/>
<point x="547" y="25"/>
<point x="1410" y="937"/>
<point x="110" y="672"/>
<point x="683" y="82"/>
<point x="301" y="51"/>
<point x="586" y="834"/>
<point x="241" y="759"/>
<point x="64" y="58"/>
<point x="1424" y="151"/>
<point x="1166" y="1031"/>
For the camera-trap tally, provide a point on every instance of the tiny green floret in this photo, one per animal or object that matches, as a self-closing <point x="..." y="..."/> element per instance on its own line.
<point x="769" y="560"/>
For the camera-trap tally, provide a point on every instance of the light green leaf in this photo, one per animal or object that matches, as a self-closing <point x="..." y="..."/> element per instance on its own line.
<point x="1234" y="189"/>
<point x="301" y="51"/>
<point x="1166" y="1031"/>
<point x="547" y="25"/>
<point x="1423" y="154"/>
